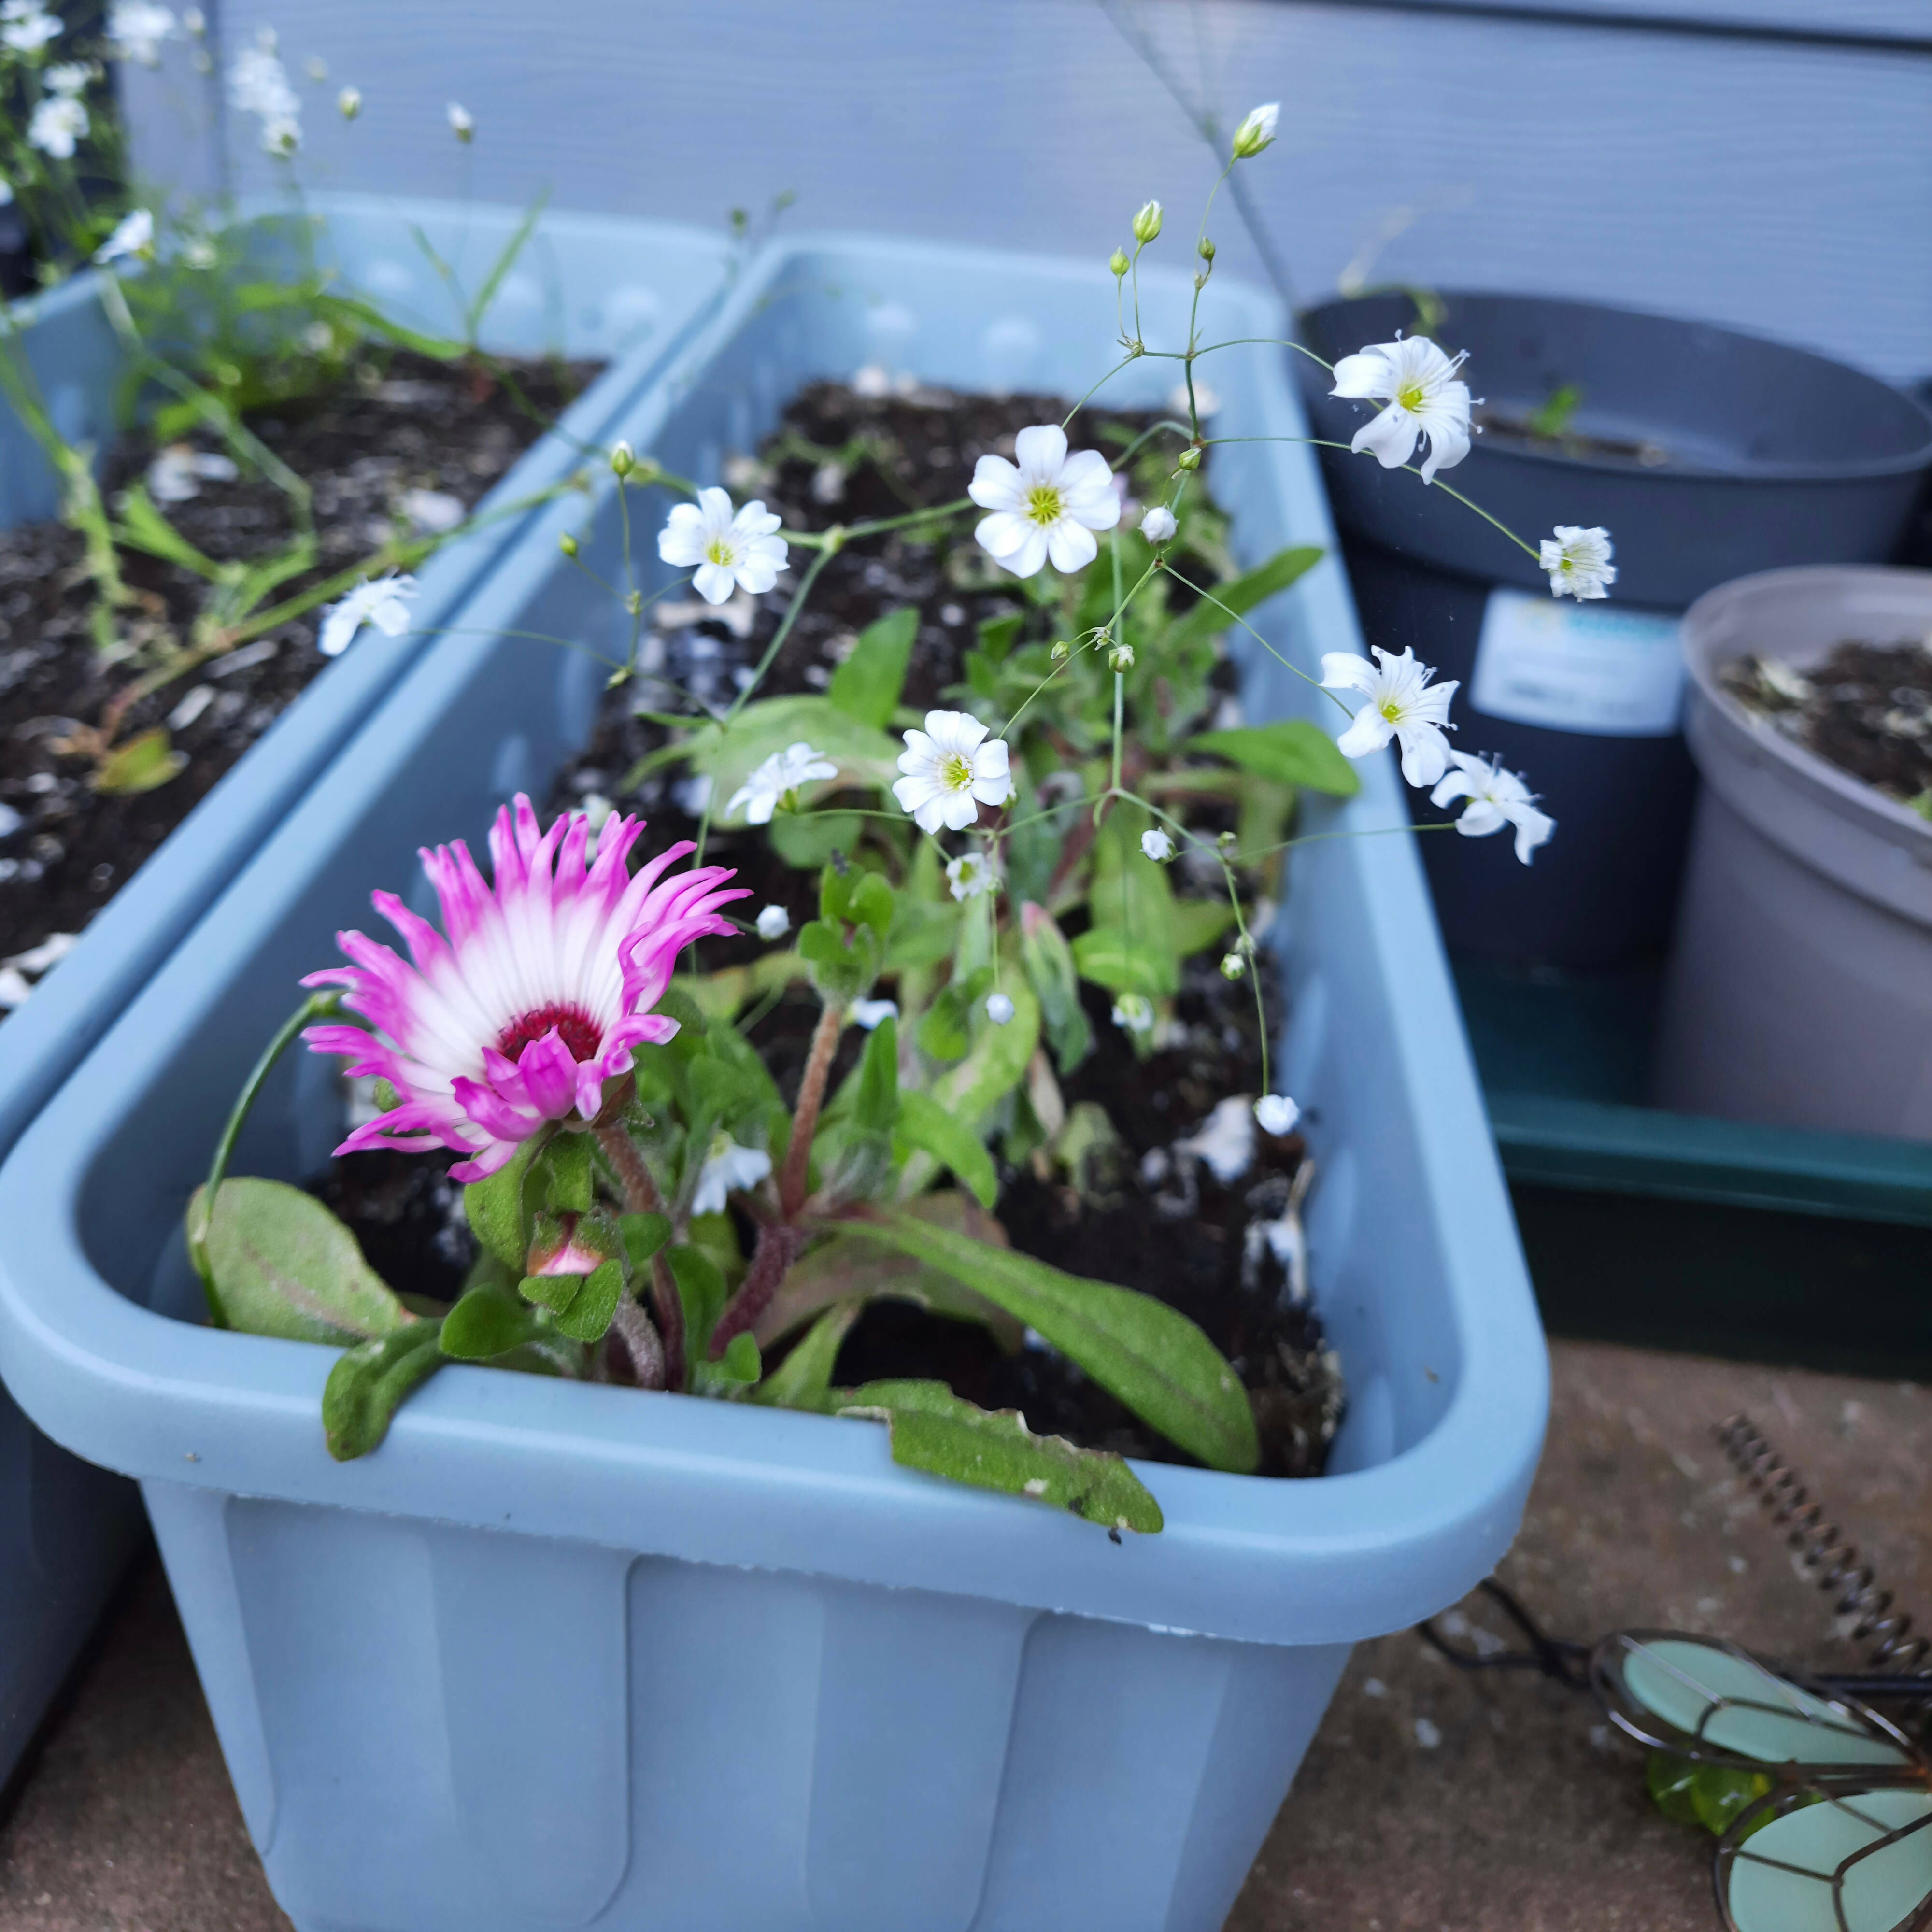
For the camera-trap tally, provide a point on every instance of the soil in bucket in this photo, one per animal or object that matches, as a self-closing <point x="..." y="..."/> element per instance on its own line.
<point x="404" y="445"/>
<point x="1658" y="430"/>
<point x="1128" y="1206"/>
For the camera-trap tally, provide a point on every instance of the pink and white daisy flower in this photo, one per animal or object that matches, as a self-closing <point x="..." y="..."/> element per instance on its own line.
<point x="1049" y="506"/>
<point x="536" y="997"/>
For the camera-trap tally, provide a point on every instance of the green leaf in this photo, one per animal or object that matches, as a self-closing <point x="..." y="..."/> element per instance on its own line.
<point x="283" y="1265"/>
<point x="998" y="635"/>
<point x="568" y="1167"/>
<point x="851" y="896"/>
<point x="1150" y="1356"/>
<point x="1199" y="922"/>
<point x="143" y="527"/>
<point x="1240" y="595"/>
<point x="802" y="1378"/>
<point x="924" y="1123"/>
<point x="643" y="1235"/>
<point x="512" y="248"/>
<point x="1291" y="751"/>
<point x="700" y="1287"/>
<point x="1710" y="1795"/>
<point x="945" y="1032"/>
<point x="487" y="1321"/>
<point x="739" y="1362"/>
<point x="371" y="1381"/>
<point x="807" y="839"/>
<point x="1048" y="962"/>
<point x="498" y="1212"/>
<point x="367" y="316"/>
<point x="866" y="686"/>
<point x="923" y="934"/>
<point x="935" y="1431"/>
<point x="842" y="969"/>
<point x="553" y="1292"/>
<point x="1130" y="895"/>
<point x="996" y="1063"/>
<point x="863" y="753"/>
<point x="589" y="1314"/>
<point x="1111" y="959"/>
<point x="145" y="762"/>
<point x="877" y="1106"/>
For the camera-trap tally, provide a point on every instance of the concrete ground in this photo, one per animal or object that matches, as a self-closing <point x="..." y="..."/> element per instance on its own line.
<point x="1431" y="1801"/>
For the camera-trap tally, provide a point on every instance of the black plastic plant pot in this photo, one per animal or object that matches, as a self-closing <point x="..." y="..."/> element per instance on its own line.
<point x="1708" y="455"/>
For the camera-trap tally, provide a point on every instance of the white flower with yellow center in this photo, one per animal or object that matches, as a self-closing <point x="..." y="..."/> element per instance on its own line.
<point x="59" y="121"/>
<point x="1047" y="505"/>
<point x="970" y="874"/>
<point x="776" y="781"/>
<point x="1402" y="704"/>
<point x="951" y="768"/>
<point x="1425" y="398"/>
<point x="728" y="550"/>
<point x="728" y="1168"/>
<point x="134" y="235"/>
<point x="1496" y="798"/>
<point x="24" y="28"/>
<point x="1579" y="562"/>
<point x="69" y="77"/>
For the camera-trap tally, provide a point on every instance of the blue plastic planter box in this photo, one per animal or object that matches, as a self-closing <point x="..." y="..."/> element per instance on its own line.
<point x="588" y="285"/>
<point x="560" y="1654"/>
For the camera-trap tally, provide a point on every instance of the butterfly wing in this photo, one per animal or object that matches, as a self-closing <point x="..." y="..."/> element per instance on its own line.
<point x="1816" y="1857"/>
<point x="1711" y="1702"/>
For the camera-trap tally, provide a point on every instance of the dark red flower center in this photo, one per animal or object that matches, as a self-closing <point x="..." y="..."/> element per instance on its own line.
<point x="579" y="1032"/>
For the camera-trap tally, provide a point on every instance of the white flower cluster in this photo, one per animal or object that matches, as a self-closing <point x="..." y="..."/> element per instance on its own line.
<point x="27" y="27"/>
<point x="135" y="29"/>
<point x="258" y="84"/>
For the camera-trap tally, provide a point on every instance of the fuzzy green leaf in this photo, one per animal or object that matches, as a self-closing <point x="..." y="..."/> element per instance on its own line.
<point x="996" y="1063"/>
<point x="371" y="1381"/>
<point x="1291" y="751"/>
<point x="1123" y="964"/>
<point x="284" y="1265"/>
<point x="1199" y="922"/>
<point x="877" y="1106"/>
<point x="807" y="839"/>
<point x="936" y="1432"/>
<point x="498" y="1212"/>
<point x="1240" y="595"/>
<point x="553" y="1292"/>
<point x="866" y="686"/>
<point x="802" y="1378"/>
<point x="590" y="1313"/>
<point x="568" y="1166"/>
<point x="945" y="1031"/>
<point x="924" y="1123"/>
<point x="642" y="1234"/>
<point x="701" y="1288"/>
<point x="145" y="762"/>
<point x="1147" y="1354"/>
<point x="487" y="1321"/>
<point x="1048" y="962"/>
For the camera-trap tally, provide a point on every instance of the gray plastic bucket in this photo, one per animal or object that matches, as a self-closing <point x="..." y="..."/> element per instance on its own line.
<point x="494" y="1677"/>
<point x="1800" y="990"/>
<point x="588" y="285"/>
<point x="1779" y="457"/>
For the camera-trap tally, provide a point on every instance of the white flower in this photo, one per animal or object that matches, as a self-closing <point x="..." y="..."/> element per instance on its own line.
<point x="134" y="235"/>
<point x="1402" y="704"/>
<point x="999" y="1009"/>
<point x="726" y="1166"/>
<point x="1276" y="1113"/>
<point x="195" y="21"/>
<point x="26" y="29"/>
<point x="1225" y="1140"/>
<point x="177" y="474"/>
<point x="349" y="103"/>
<point x="1135" y="1012"/>
<point x="775" y="781"/>
<point x="462" y="122"/>
<point x="135" y="29"/>
<point x="869" y="1013"/>
<point x="281" y="136"/>
<point x="1159" y="524"/>
<point x="951" y="768"/>
<point x="258" y="84"/>
<point x="1256" y="130"/>
<point x="1579" y="562"/>
<point x="970" y="874"/>
<point x="774" y="922"/>
<point x="58" y="121"/>
<point x="1424" y="396"/>
<point x="1496" y="798"/>
<point x="1048" y="506"/>
<point x="71" y="77"/>
<point x="1158" y="846"/>
<point x="728" y="551"/>
<point x="384" y="603"/>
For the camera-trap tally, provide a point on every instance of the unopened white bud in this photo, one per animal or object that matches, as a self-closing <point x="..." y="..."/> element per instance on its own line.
<point x="349" y="103"/>
<point x="1117" y="261"/>
<point x="1233" y="966"/>
<point x="1159" y="524"/>
<point x="1147" y="223"/>
<point x="774" y="922"/>
<point x="999" y="1009"/>
<point x="462" y="122"/>
<point x="1256" y="130"/>
<point x="623" y="459"/>
<point x="1121" y="657"/>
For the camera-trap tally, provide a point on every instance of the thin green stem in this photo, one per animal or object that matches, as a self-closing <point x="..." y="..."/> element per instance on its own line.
<point x="1236" y="617"/>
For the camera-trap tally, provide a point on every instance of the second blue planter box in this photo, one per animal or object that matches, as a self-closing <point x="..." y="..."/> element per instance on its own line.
<point x="560" y="1654"/>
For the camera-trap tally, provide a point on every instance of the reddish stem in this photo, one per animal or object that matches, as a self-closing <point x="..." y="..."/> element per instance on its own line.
<point x="778" y="1246"/>
<point x="632" y="1327"/>
<point x="805" y="1117"/>
<point x="670" y="1305"/>
<point x="640" y="1189"/>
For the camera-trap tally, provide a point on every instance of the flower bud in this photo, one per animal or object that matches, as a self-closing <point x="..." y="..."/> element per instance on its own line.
<point x="1061" y="653"/>
<point x="1121" y="657"/>
<point x="1189" y="458"/>
<point x="1204" y="248"/>
<point x="349" y="103"/>
<point x="462" y="122"/>
<point x="1159" y="524"/>
<point x="1233" y="966"/>
<point x="567" y="543"/>
<point x="1226" y="841"/>
<point x="999" y="1009"/>
<point x="1117" y="261"/>
<point x="623" y="460"/>
<point x="1147" y="223"/>
<point x="1256" y="130"/>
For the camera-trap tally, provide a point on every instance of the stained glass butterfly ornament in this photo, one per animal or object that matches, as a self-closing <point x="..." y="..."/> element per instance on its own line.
<point x="1832" y="1829"/>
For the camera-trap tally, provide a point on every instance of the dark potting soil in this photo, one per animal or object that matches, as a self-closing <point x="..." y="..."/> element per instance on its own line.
<point x="410" y="424"/>
<point x="1134" y="1211"/>
<point x="1866" y="709"/>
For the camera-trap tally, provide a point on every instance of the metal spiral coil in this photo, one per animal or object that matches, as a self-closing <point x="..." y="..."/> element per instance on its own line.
<point x="1823" y="1553"/>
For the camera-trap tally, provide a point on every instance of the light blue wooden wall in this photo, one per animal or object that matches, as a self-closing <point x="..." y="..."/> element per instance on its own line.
<point x="1767" y="162"/>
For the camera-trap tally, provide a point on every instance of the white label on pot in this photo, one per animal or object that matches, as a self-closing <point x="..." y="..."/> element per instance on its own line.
<point x="1596" y="667"/>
